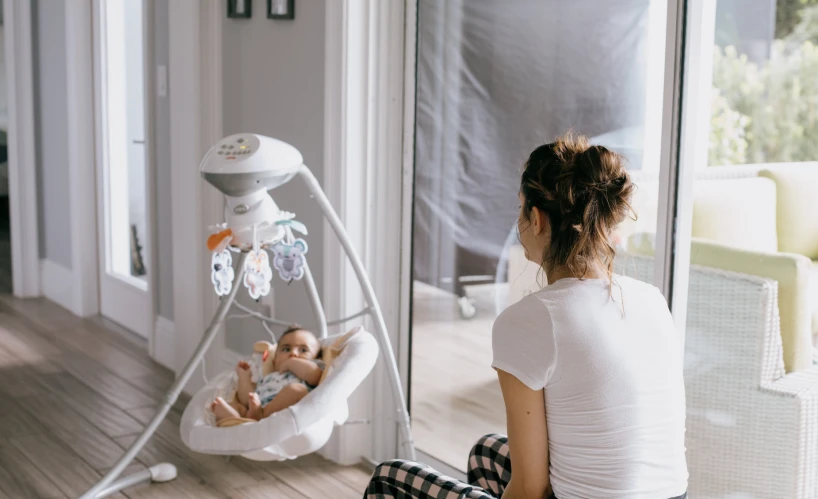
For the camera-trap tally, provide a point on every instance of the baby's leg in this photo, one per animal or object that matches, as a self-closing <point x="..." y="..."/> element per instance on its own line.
<point x="254" y="406"/>
<point x="223" y="410"/>
<point x="244" y="385"/>
<point x="289" y="395"/>
<point x="242" y="410"/>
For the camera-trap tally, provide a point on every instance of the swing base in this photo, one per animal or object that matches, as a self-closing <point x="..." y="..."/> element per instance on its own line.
<point x="158" y="473"/>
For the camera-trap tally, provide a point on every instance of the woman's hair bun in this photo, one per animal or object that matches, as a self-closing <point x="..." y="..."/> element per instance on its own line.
<point x="585" y="190"/>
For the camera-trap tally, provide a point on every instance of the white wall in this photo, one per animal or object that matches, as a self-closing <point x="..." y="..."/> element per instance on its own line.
<point x="274" y="85"/>
<point x="51" y="129"/>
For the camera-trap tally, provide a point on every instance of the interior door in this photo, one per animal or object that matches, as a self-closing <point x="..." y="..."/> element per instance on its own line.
<point x="122" y="164"/>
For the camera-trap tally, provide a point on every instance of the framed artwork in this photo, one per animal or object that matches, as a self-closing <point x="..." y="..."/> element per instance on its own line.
<point x="239" y="9"/>
<point x="280" y="9"/>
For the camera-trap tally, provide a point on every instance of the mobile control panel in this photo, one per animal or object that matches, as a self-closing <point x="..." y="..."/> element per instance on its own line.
<point x="237" y="147"/>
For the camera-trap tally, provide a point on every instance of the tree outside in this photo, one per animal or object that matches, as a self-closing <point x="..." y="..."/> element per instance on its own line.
<point x="768" y="112"/>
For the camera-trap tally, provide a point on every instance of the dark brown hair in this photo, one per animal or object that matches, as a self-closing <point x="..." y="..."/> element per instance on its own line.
<point x="585" y="191"/>
<point x="293" y="328"/>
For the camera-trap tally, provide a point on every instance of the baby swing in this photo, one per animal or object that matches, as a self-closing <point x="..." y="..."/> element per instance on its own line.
<point x="244" y="167"/>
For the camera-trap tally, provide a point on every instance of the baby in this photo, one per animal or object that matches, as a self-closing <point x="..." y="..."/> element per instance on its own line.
<point x="297" y="369"/>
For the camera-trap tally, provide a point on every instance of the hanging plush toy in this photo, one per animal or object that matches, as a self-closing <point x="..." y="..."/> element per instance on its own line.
<point x="289" y="259"/>
<point x="257" y="274"/>
<point x="221" y="272"/>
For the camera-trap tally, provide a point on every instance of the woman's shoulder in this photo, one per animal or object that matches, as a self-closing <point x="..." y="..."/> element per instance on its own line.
<point x="530" y="312"/>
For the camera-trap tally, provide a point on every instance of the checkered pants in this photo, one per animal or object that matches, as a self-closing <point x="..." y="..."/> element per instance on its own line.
<point x="489" y="472"/>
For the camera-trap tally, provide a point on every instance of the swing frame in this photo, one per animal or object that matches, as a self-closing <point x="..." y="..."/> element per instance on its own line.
<point x="111" y="483"/>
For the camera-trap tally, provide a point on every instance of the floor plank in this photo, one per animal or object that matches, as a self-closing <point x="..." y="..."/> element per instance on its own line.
<point x="70" y="474"/>
<point x="110" y="420"/>
<point x="267" y="490"/>
<point x="21" y="479"/>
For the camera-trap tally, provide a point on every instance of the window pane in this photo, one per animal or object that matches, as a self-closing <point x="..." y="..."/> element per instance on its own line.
<point x="495" y="80"/>
<point x="752" y="306"/>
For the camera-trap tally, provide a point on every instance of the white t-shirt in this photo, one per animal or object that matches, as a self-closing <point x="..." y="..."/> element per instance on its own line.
<point x="614" y="389"/>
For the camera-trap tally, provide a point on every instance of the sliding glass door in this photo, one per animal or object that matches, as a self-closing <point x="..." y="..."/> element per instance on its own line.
<point x="495" y="80"/>
<point x="715" y="106"/>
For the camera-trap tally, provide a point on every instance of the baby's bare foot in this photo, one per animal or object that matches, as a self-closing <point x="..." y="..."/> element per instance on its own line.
<point x="253" y="406"/>
<point x="223" y="410"/>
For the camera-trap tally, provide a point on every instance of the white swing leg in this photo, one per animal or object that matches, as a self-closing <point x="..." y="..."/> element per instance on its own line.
<point x="164" y="472"/>
<point x="312" y="293"/>
<point x="375" y="310"/>
<point x="315" y="300"/>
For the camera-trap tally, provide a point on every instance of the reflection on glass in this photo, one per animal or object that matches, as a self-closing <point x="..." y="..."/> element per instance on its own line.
<point x="752" y="309"/>
<point x="496" y="79"/>
<point x="124" y="175"/>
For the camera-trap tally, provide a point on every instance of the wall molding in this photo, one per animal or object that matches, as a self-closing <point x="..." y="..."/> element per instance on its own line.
<point x="364" y="77"/>
<point x="57" y="284"/>
<point x="22" y="159"/>
<point x="186" y="149"/>
<point x="79" y="56"/>
<point x="195" y="123"/>
<point x="163" y="346"/>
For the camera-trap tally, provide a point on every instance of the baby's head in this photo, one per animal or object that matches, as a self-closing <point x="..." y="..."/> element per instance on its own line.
<point x="297" y="342"/>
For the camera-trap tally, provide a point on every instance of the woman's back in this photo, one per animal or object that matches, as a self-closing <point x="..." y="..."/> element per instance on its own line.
<point x="610" y="362"/>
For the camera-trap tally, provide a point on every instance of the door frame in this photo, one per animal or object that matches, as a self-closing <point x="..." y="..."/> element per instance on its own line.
<point x="195" y="86"/>
<point x="364" y="131"/>
<point x="99" y="133"/>
<point x="22" y="158"/>
<point x="81" y="156"/>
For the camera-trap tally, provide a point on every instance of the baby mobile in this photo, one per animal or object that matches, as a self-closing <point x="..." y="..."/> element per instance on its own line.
<point x="289" y="256"/>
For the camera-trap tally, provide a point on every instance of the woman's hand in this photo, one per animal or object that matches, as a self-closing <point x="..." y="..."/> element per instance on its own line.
<point x="527" y="439"/>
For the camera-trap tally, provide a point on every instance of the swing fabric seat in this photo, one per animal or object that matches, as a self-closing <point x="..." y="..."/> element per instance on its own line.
<point x="298" y="430"/>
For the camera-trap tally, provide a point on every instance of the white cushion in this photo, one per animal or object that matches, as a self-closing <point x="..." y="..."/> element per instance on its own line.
<point x="736" y="212"/>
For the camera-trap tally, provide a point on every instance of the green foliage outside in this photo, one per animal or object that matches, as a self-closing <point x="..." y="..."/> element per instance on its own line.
<point x="768" y="113"/>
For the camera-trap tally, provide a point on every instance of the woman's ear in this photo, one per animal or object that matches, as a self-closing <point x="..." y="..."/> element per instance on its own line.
<point x="537" y="220"/>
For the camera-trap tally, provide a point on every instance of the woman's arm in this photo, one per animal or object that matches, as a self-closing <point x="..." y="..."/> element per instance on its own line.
<point x="306" y="370"/>
<point x="527" y="439"/>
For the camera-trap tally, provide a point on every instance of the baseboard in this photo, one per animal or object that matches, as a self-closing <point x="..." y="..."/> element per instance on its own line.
<point x="57" y="284"/>
<point x="163" y="348"/>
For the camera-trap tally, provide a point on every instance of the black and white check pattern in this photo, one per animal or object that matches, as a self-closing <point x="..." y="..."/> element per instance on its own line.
<point x="489" y="472"/>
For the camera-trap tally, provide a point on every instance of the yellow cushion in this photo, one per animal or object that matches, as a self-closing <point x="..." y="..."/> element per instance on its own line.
<point x="793" y="274"/>
<point x="736" y="212"/>
<point x="797" y="207"/>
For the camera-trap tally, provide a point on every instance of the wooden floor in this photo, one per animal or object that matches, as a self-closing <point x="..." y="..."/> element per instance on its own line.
<point x="75" y="394"/>
<point x="455" y="395"/>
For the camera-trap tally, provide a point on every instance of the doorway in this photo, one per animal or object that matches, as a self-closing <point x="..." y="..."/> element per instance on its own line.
<point x="123" y="174"/>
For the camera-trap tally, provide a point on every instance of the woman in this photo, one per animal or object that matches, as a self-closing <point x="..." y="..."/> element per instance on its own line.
<point x="590" y="366"/>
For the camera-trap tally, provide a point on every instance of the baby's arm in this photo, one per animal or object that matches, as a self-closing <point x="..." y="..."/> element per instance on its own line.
<point x="307" y="370"/>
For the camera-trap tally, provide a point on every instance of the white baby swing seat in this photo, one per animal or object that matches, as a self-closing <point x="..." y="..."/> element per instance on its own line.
<point x="301" y="429"/>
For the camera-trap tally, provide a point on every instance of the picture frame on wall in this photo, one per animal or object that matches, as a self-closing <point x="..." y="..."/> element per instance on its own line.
<point x="281" y="9"/>
<point x="239" y="9"/>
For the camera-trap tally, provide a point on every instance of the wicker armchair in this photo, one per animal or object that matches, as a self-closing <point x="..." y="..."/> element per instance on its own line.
<point x="752" y="430"/>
